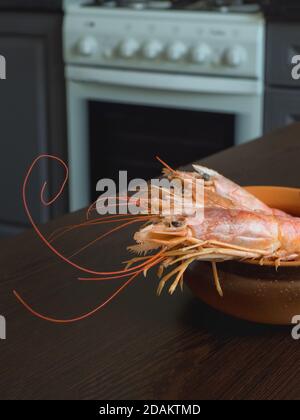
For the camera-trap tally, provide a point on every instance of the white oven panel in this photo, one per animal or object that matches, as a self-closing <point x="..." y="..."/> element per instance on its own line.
<point x="181" y="42"/>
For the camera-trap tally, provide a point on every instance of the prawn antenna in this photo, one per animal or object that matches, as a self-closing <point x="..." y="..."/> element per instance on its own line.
<point x="165" y="164"/>
<point x="129" y="273"/>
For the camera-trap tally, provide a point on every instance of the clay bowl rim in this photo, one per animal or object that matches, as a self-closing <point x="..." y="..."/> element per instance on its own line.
<point x="272" y="263"/>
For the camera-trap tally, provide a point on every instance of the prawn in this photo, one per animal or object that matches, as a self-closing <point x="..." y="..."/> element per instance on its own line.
<point x="223" y="234"/>
<point x="227" y="193"/>
<point x="235" y="226"/>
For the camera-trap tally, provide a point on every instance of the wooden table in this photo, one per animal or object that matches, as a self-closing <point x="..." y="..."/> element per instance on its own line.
<point x="140" y="346"/>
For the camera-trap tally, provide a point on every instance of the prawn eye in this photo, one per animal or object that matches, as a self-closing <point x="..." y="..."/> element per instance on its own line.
<point x="206" y="177"/>
<point x="176" y="223"/>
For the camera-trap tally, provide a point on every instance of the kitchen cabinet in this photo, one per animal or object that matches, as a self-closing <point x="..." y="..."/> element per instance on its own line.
<point x="32" y="113"/>
<point x="32" y="5"/>
<point x="282" y="108"/>
<point x="282" y="94"/>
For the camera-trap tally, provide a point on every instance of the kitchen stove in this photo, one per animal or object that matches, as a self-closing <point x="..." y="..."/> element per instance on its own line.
<point x="175" y="40"/>
<point x="200" y="56"/>
<point x="141" y="35"/>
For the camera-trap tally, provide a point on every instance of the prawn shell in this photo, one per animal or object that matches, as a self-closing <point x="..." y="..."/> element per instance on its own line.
<point x="284" y="199"/>
<point x="262" y="294"/>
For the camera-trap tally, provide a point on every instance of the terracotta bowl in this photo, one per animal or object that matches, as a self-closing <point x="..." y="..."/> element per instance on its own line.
<point x="253" y="292"/>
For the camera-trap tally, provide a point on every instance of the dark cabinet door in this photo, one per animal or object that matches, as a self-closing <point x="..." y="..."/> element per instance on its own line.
<point x="32" y="113"/>
<point x="282" y="107"/>
<point x="283" y="43"/>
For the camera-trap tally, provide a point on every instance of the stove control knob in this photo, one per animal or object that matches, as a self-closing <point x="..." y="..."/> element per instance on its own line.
<point x="176" y="51"/>
<point x="129" y="48"/>
<point x="87" y="46"/>
<point x="201" y="54"/>
<point x="152" y="49"/>
<point x="235" y="57"/>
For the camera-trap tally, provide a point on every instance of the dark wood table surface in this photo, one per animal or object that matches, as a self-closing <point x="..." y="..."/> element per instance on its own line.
<point x="140" y="346"/>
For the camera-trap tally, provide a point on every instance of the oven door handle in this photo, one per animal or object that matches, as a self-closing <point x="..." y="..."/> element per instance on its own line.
<point x="165" y="82"/>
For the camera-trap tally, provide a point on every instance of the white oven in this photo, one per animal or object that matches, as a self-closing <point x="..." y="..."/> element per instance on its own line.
<point x="121" y="62"/>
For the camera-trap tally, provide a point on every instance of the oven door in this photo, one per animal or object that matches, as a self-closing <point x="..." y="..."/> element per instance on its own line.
<point x="119" y="120"/>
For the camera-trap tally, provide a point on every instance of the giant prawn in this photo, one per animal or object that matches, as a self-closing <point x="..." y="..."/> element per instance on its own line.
<point x="236" y="226"/>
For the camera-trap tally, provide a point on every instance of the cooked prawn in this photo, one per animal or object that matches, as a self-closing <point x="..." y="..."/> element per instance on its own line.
<point x="235" y="226"/>
<point x="223" y="234"/>
<point x="227" y="193"/>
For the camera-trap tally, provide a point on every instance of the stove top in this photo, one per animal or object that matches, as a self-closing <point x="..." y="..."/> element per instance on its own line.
<point x="222" y="6"/>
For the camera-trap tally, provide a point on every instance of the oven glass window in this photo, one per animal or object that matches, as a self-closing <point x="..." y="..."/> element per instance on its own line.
<point x="128" y="137"/>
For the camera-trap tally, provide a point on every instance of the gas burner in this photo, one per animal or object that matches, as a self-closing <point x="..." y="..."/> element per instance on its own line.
<point x="136" y="4"/>
<point x="109" y="4"/>
<point x="159" y="4"/>
<point x="221" y="6"/>
<point x="149" y="5"/>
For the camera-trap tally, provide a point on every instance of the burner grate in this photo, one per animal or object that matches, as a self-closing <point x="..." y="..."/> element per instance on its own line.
<point x="223" y="6"/>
